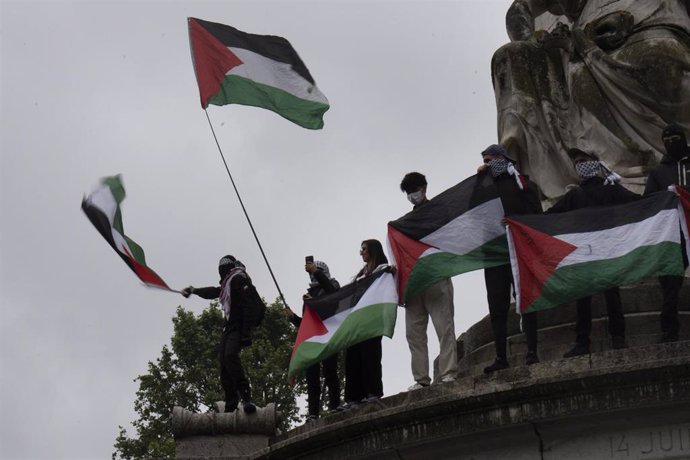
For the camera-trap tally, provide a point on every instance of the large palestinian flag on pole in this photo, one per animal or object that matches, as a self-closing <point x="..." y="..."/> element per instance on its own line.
<point x="684" y="209"/>
<point x="354" y="313"/>
<point x="457" y="231"/>
<point x="234" y="67"/>
<point x="557" y="258"/>
<point x="102" y="207"/>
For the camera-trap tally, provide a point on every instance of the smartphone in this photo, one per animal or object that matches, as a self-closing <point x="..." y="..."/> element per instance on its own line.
<point x="309" y="260"/>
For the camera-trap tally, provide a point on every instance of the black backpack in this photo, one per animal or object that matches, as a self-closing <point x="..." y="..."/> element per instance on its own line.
<point x="256" y="307"/>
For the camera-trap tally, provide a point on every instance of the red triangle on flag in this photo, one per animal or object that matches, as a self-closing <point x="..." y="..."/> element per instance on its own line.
<point x="406" y="252"/>
<point x="311" y="326"/>
<point x="212" y="60"/>
<point x="538" y="254"/>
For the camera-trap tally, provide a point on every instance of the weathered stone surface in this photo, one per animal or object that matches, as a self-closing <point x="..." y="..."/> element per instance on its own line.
<point x="600" y="75"/>
<point x="186" y="423"/>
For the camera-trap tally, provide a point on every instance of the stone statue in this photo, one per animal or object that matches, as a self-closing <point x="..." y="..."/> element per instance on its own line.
<point x="265" y="421"/>
<point x="603" y="76"/>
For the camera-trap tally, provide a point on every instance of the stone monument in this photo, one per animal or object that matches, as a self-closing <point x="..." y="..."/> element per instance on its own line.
<point x="601" y="75"/>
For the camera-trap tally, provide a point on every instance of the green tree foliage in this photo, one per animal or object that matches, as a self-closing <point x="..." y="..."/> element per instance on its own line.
<point x="187" y="375"/>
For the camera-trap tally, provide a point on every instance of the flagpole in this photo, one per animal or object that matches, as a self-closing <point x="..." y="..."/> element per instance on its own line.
<point x="282" y="297"/>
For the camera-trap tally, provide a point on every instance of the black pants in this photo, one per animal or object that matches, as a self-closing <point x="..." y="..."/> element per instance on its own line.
<point x="363" y="374"/>
<point x="330" y="377"/>
<point x="670" y="287"/>
<point x="232" y="377"/>
<point x="614" y="310"/>
<point x="499" y="281"/>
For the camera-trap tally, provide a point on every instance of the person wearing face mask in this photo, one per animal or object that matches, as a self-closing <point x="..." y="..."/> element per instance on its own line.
<point x="518" y="196"/>
<point x="435" y="302"/>
<point x="598" y="187"/>
<point x="673" y="170"/>
<point x="236" y="295"/>
<point x="321" y="283"/>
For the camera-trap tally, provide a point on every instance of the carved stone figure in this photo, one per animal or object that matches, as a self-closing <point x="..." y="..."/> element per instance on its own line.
<point x="603" y="76"/>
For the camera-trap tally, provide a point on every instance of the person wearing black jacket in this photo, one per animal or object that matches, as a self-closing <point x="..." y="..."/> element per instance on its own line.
<point x="518" y="196"/>
<point x="235" y="298"/>
<point x="321" y="284"/>
<point x="673" y="170"/>
<point x="595" y="190"/>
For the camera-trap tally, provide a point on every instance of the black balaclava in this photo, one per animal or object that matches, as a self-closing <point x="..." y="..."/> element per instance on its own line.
<point x="225" y="264"/>
<point x="675" y="148"/>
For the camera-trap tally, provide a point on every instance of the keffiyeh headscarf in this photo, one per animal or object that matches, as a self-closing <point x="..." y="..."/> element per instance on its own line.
<point x="503" y="164"/>
<point x="324" y="268"/>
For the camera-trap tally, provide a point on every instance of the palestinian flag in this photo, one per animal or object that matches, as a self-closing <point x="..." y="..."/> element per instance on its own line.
<point x="102" y="207"/>
<point x="354" y="313"/>
<point x="456" y="232"/>
<point x="234" y="67"/>
<point x="557" y="258"/>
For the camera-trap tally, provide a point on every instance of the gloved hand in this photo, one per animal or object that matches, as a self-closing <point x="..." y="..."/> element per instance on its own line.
<point x="186" y="292"/>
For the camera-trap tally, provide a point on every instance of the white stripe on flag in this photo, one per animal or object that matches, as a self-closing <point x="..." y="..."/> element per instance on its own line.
<point x="619" y="241"/>
<point x="279" y="75"/>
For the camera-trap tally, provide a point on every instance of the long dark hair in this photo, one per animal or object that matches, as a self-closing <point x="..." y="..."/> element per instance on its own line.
<point x="376" y="256"/>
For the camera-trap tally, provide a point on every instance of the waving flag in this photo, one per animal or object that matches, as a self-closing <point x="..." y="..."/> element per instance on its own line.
<point x="557" y="258"/>
<point x="102" y="207"/>
<point x="234" y="67"/>
<point x="354" y="313"/>
<point x="457" y="231"/>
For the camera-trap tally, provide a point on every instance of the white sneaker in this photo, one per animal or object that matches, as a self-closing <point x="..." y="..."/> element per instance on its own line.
<point x="447" y="379"/>
<point x="417" y="386"/>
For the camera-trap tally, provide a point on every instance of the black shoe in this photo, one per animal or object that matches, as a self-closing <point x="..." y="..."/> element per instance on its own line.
<point x="618" y="342"/>
<point x="531" y="358"/>
<point x="249" y="407"/>
<point x="230" y="406"/>
<point x="499" y="363"/>
<point x="577" y="350"/>
<point x="312" y="417"/>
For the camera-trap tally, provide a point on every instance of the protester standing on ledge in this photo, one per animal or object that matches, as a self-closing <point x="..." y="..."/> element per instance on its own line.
<point x="363" y="372"/>
<point x="598" y="187"/>
<point x="673" y="170"/>
<point x="320" y="284"/>
<point x="518" y="196"/>
<point x="435" y="302"/>
<point x="239" y="299"/>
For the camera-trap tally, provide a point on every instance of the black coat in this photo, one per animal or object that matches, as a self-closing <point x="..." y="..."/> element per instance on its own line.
<point x="326" y="286"/>
<point x="669" y="172"/>
<point x="593" y="192"/>
<point x="514" y="200"/>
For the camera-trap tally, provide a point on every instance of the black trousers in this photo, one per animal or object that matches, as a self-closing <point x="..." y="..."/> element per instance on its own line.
<point x="499" y="282"/>
<point x="232" y="376"/>
<point x="330" y="377"/>
<point x="614" y="310"/>
<point x="363" y="372"/>
<point x="670" y="287"/>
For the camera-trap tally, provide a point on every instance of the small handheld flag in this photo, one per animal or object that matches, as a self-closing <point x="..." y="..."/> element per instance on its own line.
<point x="102" y="207"/>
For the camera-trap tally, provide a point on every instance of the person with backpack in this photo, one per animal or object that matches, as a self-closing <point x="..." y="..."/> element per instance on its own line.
<point x="321" y="283"/>
<point x="243" y="310"/>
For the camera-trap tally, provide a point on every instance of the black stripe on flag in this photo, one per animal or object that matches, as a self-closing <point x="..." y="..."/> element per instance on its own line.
<point x="446" y="206"/>
<point x="598" y="218"/>
<point x="343" y="299"/>
<point x="270" y="46"/>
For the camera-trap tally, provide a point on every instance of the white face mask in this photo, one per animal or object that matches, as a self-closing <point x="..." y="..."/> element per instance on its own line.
<point x="416" y="197"/>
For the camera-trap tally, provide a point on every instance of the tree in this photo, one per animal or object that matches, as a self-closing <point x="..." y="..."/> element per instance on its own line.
<point x="187" y="375"/>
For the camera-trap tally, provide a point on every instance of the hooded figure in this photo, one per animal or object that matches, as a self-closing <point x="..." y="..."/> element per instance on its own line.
<point x="673" y="170"/>
<point x="235" y="298"/>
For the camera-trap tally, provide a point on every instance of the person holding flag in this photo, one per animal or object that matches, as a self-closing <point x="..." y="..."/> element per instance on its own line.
<point x="321" y="283"/>
<point x="598" y="187"/>
<point x="237" y="296"/>
<point x="673" y="170"/>
<point x="518" y="196"/>
<point x="435" y="302"/>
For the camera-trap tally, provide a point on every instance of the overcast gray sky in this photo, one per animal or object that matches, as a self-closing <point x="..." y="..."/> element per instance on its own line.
<point x="91" y="89"/>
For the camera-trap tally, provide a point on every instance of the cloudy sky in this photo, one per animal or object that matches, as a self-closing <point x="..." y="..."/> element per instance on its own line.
<point x="91" y="89"/>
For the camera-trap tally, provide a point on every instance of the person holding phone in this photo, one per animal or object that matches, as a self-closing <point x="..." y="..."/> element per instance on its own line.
<point x="321" y="283"/>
